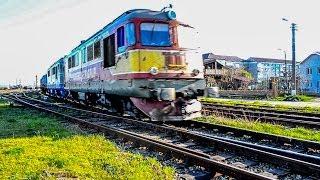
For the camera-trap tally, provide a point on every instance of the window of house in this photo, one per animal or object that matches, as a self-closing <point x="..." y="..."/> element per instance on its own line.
<point x="97" y="50"/>
<point x="318" y="70"/>
<point x="130" y="34"/>
<point x="120" y="39"/>
<point x="90" y="53"/>
<point x="318" y="84"/>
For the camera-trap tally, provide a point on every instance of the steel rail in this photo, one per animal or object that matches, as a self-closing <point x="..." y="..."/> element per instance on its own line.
<point x="255" y="137"/>
<point x="287" y="119"/>
<point x="266" y="109"/>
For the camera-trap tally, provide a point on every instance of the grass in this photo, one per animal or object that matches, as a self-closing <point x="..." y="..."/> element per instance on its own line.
<point x="83" y="157"/>
<point x="259" y="104"/>
<point x="22" y="122"/>
<point x="36" y="146"/>
<point x="299" y="132"/>
<point x="302" y="98"/>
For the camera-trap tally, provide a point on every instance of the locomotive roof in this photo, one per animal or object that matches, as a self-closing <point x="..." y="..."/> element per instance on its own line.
<point x="57" y="62"/>
<point x="130" y="14"/>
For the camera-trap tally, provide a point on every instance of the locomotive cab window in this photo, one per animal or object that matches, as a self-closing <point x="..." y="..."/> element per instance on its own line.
<point x="155" y="34"/>
<point x="120" y="39"/>
<point x="130" y="34"/>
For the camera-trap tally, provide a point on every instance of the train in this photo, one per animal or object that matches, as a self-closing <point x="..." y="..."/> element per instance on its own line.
<point x="135" y="65"/>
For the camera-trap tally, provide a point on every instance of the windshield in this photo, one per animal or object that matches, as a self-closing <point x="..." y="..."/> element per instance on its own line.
<point x="155" y="34"/>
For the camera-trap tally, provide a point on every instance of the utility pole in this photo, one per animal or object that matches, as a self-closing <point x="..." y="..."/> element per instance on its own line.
<point x="293" y="44"/>
<point x="36" y="86"/>
<point x="293" y="78"/>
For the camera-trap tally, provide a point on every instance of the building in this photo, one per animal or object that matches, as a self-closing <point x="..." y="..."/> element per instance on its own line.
<point x="224" y="71"/>
<point x="310" y="74"/>
<point x="220" y="64"/>
<point x="213" y="61"/>
<point x="264" y="69"/>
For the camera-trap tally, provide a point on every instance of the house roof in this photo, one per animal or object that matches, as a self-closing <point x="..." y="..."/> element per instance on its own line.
<point x="260" y="59"/>
<point x="210" y="57"/>
<point x="315" y="53"/>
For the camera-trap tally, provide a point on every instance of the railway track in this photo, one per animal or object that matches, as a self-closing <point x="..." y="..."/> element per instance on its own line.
<point x="290" y="147"/>
<point x="290" y="118"/>
<point x="215" y="155"/>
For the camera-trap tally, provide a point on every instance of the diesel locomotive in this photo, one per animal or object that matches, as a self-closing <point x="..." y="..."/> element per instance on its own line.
<point x="136" y="64"/>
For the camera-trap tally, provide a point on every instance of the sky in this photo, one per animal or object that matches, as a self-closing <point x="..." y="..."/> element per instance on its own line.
<point x="35" y="33"/>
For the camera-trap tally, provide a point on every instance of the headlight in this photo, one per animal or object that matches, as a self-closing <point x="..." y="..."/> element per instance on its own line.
<point x="195" y="72"/>
<point x="171" y="15"/>
<point x="154" y="71"/>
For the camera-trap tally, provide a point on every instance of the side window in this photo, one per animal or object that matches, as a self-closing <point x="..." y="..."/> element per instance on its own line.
<point x="73" y="62"/>
<point x="56" y="72"/>
<point x="61" y="68"/>
<point x="76" y="59"/>
<point x="69" y="63"/>
<point x="90" y="53"/>
<point x="130" y="34"/>
<point x="52" y="71"/>
<point x="48" y="73"/>
<point x="83" y="55"/>
<point x="109" y="51"/>
<point x="120" y="39"/>
<point x="97" y="50"/>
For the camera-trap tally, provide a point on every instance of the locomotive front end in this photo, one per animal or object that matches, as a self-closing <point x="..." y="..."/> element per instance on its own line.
<point x="167" y="75"/>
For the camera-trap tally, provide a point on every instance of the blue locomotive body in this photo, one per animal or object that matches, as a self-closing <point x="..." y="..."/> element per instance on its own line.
<point x="56" y="79"/>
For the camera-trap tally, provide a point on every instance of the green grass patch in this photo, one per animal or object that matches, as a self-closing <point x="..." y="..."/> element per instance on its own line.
<point x="259" y="104"/>
<point x="83" y="157"/>
<point x="302" y="98"/>
<point x="34" y="145"/>
<point x="299" y="132"/>
<point x="22" y="122"/>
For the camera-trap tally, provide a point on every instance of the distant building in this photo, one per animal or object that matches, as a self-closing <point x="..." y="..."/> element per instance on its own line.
<point x="310" y="74"/>
<point x="213" y="61"/>
<point x="224" y="71"/>
<point x="263" y="69"/>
